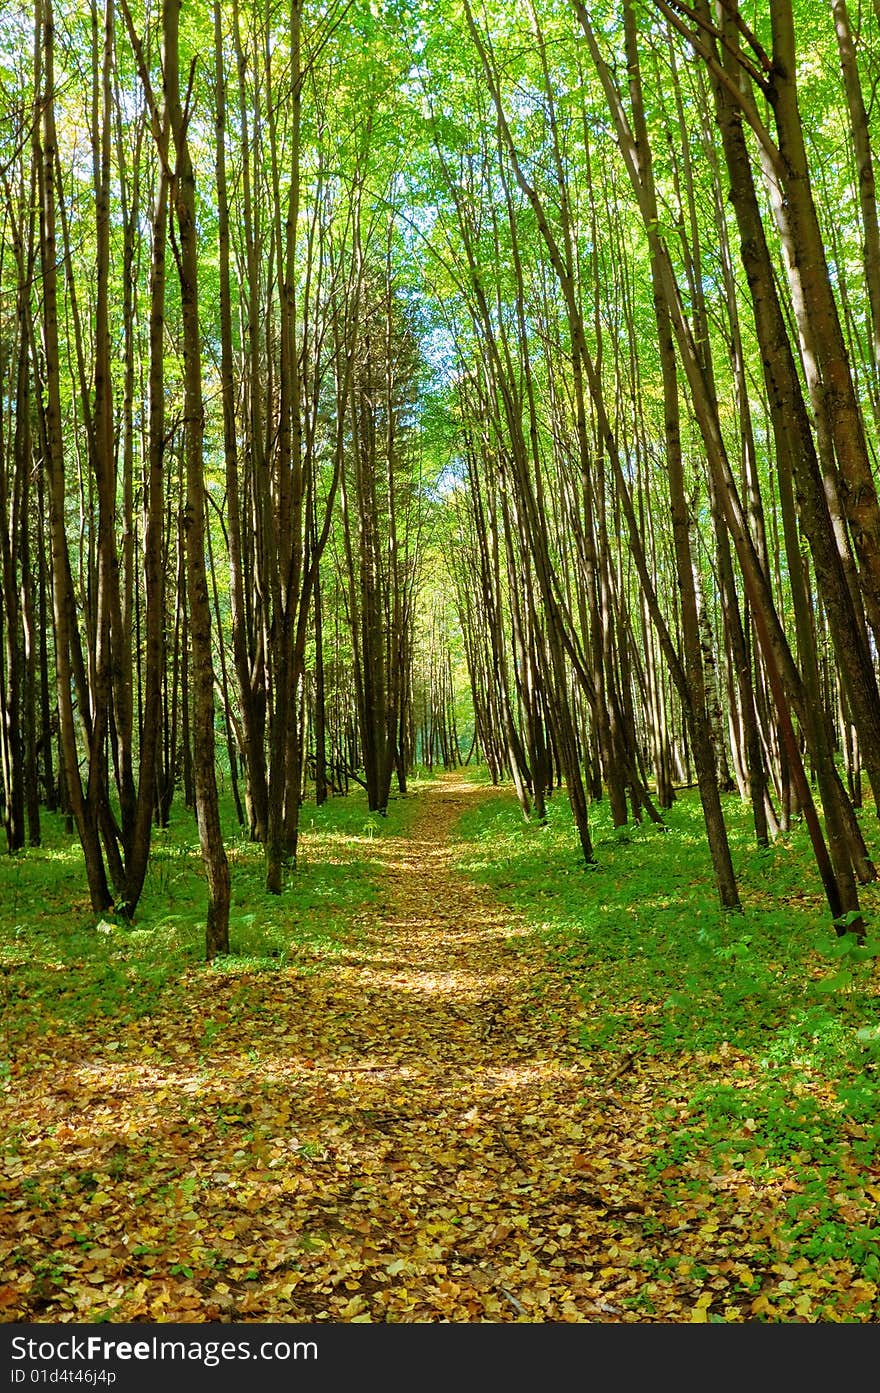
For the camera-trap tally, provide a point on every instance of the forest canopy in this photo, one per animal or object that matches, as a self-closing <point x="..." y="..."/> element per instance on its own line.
<point x="388" y="385"/>
<point x="439" y="709"/>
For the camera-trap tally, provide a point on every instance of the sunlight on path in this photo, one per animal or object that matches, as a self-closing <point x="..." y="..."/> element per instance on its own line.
<point x="403" y="1135"/>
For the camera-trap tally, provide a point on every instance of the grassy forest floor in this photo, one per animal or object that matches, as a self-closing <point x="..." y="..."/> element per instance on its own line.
<point x="448" y="1075"/>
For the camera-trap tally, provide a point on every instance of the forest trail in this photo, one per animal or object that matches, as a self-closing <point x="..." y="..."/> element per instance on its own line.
<point x="409" y="1133"/>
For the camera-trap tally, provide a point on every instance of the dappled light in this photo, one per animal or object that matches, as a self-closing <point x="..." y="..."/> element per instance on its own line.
<point x="459" y="1120"/>
<point x="439" y="681"/>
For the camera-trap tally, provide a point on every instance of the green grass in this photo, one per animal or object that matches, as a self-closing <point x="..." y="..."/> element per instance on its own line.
<point x="60" y="970"/>
<point x="764" y="1025"/>
<point x="769" y="1024"/>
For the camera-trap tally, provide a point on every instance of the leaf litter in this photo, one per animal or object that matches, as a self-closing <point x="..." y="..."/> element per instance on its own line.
<point x="413" y="1133"/>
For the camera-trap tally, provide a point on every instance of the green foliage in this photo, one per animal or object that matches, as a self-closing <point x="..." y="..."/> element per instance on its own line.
<point x="767" y="1021"/>
<point x="60" y="970"/>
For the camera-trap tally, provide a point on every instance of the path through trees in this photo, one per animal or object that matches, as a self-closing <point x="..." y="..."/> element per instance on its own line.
<point x="409" y="1131"/>
<point x="384" y="387"/>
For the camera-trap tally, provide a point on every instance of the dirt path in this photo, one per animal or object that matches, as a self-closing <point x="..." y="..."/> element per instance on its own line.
<point x="467" y="1116"/>
<point x="405" y="1136"/>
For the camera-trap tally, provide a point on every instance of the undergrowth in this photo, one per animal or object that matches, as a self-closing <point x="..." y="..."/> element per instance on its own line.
<point x="762" y="1027"/>
<point x="60" y="969"/>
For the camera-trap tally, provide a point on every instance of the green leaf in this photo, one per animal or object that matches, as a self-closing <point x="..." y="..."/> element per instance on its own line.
<point x="868" y="1034"/>
<point x="840" y="979"/>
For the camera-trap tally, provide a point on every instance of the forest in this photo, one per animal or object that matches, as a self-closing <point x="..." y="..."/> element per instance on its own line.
<point x="439" y="705"/>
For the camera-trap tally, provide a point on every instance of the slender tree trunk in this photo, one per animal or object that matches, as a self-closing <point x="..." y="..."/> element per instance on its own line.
<point x="204" y="770"/>
<point x="85" y="812"/>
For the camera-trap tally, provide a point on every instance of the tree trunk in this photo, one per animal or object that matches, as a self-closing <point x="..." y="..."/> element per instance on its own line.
<point x="207" y="806"/>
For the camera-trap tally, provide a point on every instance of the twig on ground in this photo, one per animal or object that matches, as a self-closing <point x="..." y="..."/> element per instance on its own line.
<point x="517" y="1305"/>
<point x="511" y="1151"/>
<point x="625" y="1064"/>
